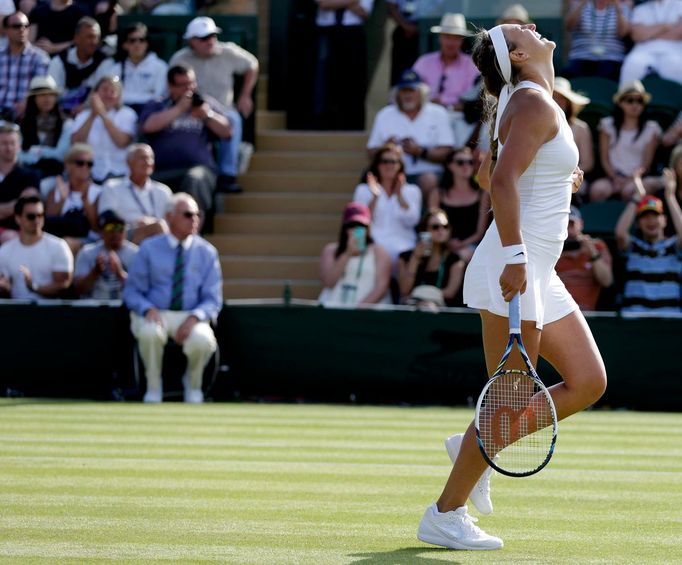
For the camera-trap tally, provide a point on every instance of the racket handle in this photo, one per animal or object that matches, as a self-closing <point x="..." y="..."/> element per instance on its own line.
<point x="515" y="314"/>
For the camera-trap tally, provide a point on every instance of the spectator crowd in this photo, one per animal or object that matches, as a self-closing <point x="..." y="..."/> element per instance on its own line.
<point x="110" y="159"/>
<point x="426" y="145"/>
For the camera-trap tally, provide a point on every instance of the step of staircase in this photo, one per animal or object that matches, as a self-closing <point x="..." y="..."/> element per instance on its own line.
<point x="278" y="140"/>
<point x="328" y="161"/>
<point x="277" y="224"/>
<point x="265" y="267"/>
<point x="293" y="181"/>
<point x="266" y="245"/>
<point x="269" y="120"/>
<point x="287" y="202"/>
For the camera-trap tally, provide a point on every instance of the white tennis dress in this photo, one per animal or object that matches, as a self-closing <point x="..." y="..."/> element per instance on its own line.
<point x="545" y="196"/>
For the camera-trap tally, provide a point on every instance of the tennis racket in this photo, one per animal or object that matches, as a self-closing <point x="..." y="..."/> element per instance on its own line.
<point x="516" y="423"/>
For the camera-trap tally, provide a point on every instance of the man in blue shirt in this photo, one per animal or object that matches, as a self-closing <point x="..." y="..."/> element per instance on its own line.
<point x="174" y="289"/>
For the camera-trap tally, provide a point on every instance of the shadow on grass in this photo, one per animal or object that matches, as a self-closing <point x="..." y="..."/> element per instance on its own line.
<point x="403" y="556"/>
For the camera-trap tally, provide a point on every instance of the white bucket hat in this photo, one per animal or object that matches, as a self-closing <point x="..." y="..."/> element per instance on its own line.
<point x="452" y="24"/>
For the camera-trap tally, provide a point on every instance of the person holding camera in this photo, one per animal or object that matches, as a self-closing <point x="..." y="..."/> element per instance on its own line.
<point x="432" y="263"/>
<point x="181" y="130"/>
<point x="216" y="63"/>
<point x="585" y="264"/>
<point x="355" y="271"/>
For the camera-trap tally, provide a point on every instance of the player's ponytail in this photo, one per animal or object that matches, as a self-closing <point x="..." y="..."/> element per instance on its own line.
<point x="484" y="58"/>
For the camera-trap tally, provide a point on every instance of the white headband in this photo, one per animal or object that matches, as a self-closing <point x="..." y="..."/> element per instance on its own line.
<point x="504" y="64"/>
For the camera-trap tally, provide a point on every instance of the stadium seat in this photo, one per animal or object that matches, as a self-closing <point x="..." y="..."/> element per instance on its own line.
<point x="600" y="218"/>
<point x="666" y="99"/>
<point x="599" y="90"/>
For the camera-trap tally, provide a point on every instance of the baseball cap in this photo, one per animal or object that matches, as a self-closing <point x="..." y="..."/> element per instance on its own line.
<point x="202" y="26"/>
<point x="409" y="79"/>
<point x="649" y="204"/>
<point x="109" y="217"/>
<point x="356" y="212"/>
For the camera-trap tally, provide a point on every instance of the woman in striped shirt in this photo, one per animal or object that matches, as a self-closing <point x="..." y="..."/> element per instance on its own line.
<point x="597" y="28"/>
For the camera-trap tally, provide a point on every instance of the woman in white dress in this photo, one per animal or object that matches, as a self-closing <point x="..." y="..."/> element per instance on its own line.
<point x="531" y="172"/>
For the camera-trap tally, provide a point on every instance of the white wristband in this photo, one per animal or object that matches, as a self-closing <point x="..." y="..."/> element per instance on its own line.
<point x="515" y="254"/>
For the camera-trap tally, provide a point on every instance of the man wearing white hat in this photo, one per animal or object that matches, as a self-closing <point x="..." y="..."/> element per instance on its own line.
<point x="215" y="63"/>
<point x="450" y="73"/>
<point x="20" y="61"/>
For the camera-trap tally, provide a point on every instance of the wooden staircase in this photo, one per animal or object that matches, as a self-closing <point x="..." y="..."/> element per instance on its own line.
<point x="294" y="194"/>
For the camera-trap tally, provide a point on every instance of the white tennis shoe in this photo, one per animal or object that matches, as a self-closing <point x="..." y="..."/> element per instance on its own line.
<point x="455" y="529"/>
<point x="480" y="495"/>
<point x="153" y="396"/>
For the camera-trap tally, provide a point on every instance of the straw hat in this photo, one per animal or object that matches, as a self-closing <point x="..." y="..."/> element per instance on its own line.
<point x="515" y="13"/>
<point x="633" y="87"/>
<point x="578" y="101"/>
<point x="452" y="24"/>
<point x="43" y="85"/>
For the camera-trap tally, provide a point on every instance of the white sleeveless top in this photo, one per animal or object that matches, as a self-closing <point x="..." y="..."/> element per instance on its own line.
<point x="545" y="187"/>
<point x="357" y="281"/>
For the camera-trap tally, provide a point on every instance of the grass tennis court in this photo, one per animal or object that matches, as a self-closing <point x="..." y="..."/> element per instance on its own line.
<point x="89" y="482"/>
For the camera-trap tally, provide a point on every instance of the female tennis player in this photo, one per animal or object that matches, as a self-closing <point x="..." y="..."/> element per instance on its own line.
<point x="531" y="171"/>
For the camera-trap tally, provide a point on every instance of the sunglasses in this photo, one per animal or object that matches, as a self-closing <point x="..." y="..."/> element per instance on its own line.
<point x="212" y="36"/>
<point x="187" y="214"/>
<point x="18" y="26"/>
<point x="82" y="163"/>
<point x="31" y="216"/>
<point x="435" y="227"/>
<point x="136" y="40"/>
<point x="462" y="162"/>
<point x="633" y="100"/>
<point x="114" y="228"/>
<point x="389" y="162"/>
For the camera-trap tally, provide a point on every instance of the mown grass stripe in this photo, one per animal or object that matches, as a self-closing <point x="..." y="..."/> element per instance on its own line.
<point x="258" y="483"/>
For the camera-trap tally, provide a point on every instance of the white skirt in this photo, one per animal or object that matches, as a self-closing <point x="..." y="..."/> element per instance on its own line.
<point x="545" y="299"/>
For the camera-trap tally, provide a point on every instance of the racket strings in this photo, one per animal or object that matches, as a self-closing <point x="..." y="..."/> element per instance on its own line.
<point x="515" y="422"/>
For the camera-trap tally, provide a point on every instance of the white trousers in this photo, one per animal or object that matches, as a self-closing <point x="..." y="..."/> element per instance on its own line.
<point x="643" y="58"/>
<point x="152" y="338"/>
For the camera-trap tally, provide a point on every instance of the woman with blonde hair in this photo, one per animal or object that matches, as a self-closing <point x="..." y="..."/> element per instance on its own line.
<point x="71" y="208"/>
<point x="108" y="127"/>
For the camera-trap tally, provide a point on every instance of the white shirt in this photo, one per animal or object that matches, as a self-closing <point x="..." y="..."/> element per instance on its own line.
<point x="109" y="158"/>
<point x="131" y="202"/>
<point x="142" y="82"/>
<point x="430" y="128"/>
<point x="658" y="12"/>
<point x="49" y="255"/>
<point x="74" y="200"/>
<point x="393" y="226"/>
<point x="326" y="18"/>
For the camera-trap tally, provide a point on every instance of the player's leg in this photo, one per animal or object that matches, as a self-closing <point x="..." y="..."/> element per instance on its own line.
<point x="569" y="346"/>
<point x="470" y="463"/>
